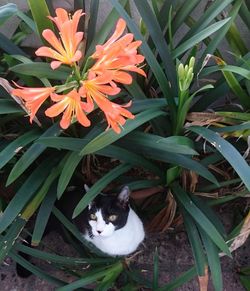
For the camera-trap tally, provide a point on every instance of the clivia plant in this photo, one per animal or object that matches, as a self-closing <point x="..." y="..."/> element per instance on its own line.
<point x="157" y="137"/>
<point x="83" y="89"/>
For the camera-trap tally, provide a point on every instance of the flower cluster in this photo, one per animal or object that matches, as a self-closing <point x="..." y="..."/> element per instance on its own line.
<point x="112" y="63"/>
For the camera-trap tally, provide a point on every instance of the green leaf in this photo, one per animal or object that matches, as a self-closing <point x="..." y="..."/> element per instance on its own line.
<point x="198" y="37"/>
<point x="42" y="70"/>
<point x="91" y="278"/>
<point x="156" y="270"/>
<point x="43" y="216"/>
<point x="175" y="159"/>
<point x="207" y="17"/>
<point x="213" y="260"/>
<point x="40" y="13"/>
<point x="183" y="12"/>
<point x="179" y="281"/>
<point x="75" y="232"/>
<point x="76" y="144"/>
<point x="61" y="260"/>
<point x="93" y="14"/>
<point x="35" y="270"/>
<point x="214" y="43"/>
<point x="37" y="200"/>
<point x="6" y="11"/>
<point x="156" y="33"/>
<point x="109" y="279"/>
<point x="27" y="20"/>
<point x="208" y="211"/>
<point x="228" y="151"/>
<point x="136" y="91"/>
<point x="245" y="14"/>
<point x="143" y="184"/>
<point x="67" y="172"/>
<point x="130" y="157"/>
<point x="9" y="47"/>
<point x="15" y="146"/>
<point x="200" y="218"/>
<point x="8" y="240"/>
<point x="172" y="174"/>
<point x="31" y="154"/>
<point x="142" y="105"/>
<point x="9" y="106"/>
<point x="25" y="193"/>
<point x="195" y="241"/>
<point x="149" y="55"/>
<point x="235" y="41"/>
<point x="105" y="29"/>
<point x="245" y="281"/>
<point x="172" y="144"/>
<point x="109" y="136"/>
<point x="226" y="68"/>
<point x="73" y="159"/>
<point x="99" y="186"/>
<point x="237" y="89"/>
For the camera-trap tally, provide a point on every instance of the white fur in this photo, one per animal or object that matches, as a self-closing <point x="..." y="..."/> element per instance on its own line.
<point x="99" y="226"/>
<point x="117" y="242"/>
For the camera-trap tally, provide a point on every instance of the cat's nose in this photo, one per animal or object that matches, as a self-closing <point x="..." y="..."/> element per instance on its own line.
<point x="99" y="231"/>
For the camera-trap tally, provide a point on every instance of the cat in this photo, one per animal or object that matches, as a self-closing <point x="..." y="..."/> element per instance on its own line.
<point x="113" y="226"/>
<point x="108" y="222"/>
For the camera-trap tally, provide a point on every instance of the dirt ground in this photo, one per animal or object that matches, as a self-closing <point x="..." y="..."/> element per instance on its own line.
<point x="175" y="257"/>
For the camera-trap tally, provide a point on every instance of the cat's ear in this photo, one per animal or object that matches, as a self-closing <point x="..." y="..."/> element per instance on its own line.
<point x="123" y="196"/>
<point x="86" y="187"/>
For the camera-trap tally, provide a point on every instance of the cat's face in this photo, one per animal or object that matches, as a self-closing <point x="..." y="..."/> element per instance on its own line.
<point x="106" y="214"/>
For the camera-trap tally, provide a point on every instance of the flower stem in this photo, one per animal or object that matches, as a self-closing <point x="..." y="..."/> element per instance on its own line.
<point x="88" y="63"/>
<point x="77" y="72"/>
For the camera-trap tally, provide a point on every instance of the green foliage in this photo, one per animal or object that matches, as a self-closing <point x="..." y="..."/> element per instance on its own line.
<point x="160" y="141"/>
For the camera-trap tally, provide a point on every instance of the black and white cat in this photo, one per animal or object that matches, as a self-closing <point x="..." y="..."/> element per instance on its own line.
<point x="109" y="223"/>
<point x="112" y="225"/>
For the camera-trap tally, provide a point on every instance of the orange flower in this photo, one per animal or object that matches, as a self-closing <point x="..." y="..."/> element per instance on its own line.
<point x="95" y="90"/>
<point x="33" y="97"/>
<point x="117" y="55"/>
<point x="72" y="106"/>
<point x="102" y="84"/>
<point x="65" y="50"/>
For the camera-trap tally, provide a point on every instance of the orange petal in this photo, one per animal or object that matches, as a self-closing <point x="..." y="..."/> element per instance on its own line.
<point x="56" y="109"/>
<point x="120" y="27"/>
<point x="55" y="64"/>
<point x="81" y="117"/>
<point x="66" y="118"/>
<point x="122" y="77"/>
<point x="53" y="40"/>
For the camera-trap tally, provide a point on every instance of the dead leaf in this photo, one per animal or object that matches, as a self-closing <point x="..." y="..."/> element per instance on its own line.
<point x="144" y="193"/>
<point x="240" y="239"/>
<point x="219" y="171"/>
<point x="163" y="220"/>
<point x="243" y="235"/>
<point x="214" y="195"/>
<point x="203" y="280"/>
<point x="189" y="180"/>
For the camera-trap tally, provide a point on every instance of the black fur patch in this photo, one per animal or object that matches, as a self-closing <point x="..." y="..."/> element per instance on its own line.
<point x="110" y="205"/>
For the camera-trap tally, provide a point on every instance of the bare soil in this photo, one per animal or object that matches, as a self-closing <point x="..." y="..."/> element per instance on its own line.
<point x="175" y="257"/>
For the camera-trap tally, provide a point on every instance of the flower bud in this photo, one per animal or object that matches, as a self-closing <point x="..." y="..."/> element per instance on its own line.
<point x="181" y="72"/>
<point x="191" y="62"/>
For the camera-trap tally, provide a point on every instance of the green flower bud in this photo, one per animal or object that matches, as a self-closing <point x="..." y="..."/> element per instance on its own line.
<point x="191" y="62"/>
<point x="181" y="72"/>
<point x="190" y="75"/>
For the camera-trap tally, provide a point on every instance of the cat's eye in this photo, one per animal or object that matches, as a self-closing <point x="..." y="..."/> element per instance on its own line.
<point x="112" y="217"/>
<point x="93" y="216"/>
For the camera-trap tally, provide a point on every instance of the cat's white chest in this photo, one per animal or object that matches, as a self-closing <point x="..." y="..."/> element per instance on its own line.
<point x="123" y="241"/>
